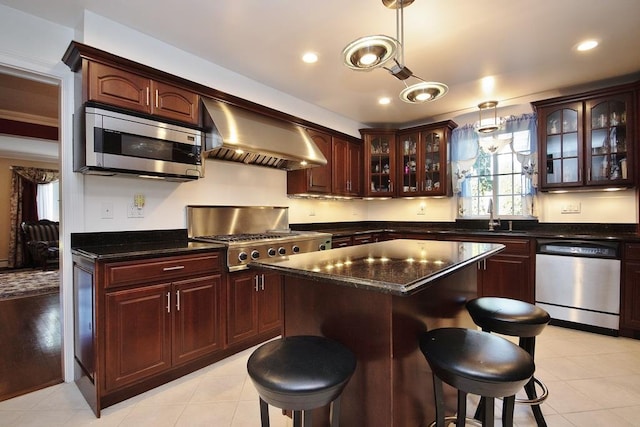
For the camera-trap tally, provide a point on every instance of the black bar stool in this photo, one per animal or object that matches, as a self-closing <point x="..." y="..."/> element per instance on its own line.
<point x="518" y="319"/>
<point x="300" y="373"/>
<point x="479" y="363"/>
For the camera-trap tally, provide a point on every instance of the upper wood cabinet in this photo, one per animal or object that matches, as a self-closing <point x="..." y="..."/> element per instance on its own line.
<point x="587" y="140"/>
<point x="340" y="176"/>
<point x="347" y="168"/>
<point x="423" y="160"/>
<point x="379" y="162"/>
<point x="121" y="88"/>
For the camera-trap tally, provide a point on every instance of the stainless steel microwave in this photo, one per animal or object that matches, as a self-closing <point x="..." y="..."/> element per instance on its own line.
<point x="114" y="143"/>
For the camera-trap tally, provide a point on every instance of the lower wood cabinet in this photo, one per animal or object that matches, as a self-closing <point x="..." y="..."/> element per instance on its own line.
<point x="254" y="305"/>
<point x="139" y="323"/>
<point x="630" y="292"/>
<point x="152" y="328"/>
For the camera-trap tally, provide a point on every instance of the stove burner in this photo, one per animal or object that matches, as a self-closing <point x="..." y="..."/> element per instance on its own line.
<point x="247" y="237"/>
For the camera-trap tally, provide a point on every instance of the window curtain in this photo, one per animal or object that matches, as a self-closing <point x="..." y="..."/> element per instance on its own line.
<point x="23" y="206"/>
<point x="465" y="150"/>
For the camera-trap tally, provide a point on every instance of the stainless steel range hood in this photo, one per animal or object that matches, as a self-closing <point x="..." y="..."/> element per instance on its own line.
<point x="239" y="135"/>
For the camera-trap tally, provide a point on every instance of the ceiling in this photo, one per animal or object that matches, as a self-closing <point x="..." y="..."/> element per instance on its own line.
<point x="527" y="46"/>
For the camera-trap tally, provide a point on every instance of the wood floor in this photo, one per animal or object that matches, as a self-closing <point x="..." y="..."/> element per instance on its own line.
<point x="30" y="344"/>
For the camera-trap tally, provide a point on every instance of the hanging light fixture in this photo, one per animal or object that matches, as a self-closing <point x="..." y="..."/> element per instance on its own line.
<point x="370" y="52"/>
<point x="490" y="122"/>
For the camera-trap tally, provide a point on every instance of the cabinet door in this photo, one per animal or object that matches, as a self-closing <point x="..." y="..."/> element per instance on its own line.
<point x="561" y="146"/>
<point x="197" y="320"/>
<point x="175" y="103"/>
<point x="242" y="310"/>
<point x="433" y="163"/>
<point x="341" y="242"/>
<point x="341" y="172"/>
<point x="631" y="296"/>
<point x="607" y="147"/>
<point x="269" y="302"/>
<point x="119" y="88"/>
<point x="316" y="179"/>
<point x="380" y="164"/>
<point x="506" y="276"/>
<point x="355" y="169"/>
<point x="409" y="164"/>
<point x="138" y="334"/>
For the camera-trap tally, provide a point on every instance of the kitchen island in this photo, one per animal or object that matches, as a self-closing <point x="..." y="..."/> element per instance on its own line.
<point x="375" y="299"/>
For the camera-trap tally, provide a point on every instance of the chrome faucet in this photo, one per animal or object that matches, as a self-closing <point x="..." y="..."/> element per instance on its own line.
<point x="492" y="222"/>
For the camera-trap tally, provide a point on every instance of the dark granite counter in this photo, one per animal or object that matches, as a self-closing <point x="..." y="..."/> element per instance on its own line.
<point x="118" y="245"/>
<point x="519" y="228"/>
<point x="397" y="267"/>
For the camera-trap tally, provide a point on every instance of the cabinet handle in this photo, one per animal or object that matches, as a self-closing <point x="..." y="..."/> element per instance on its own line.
<point x="262" y="280"/>
<point x="255" y="279"/>
<point x="168" y="302"/>
<point x="482" y="265"/>
<point x="178" y="300"/>
<point x="177" y="267"/>
<point x="390" y="185"/>
<point x="147" y="95"/>
<point x="156" y="98"/>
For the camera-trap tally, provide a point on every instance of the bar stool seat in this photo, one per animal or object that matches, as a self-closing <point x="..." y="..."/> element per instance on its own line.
<point x="475" y="362"/>
<point x="518" y="319"/>
<point x="300" y="373"/>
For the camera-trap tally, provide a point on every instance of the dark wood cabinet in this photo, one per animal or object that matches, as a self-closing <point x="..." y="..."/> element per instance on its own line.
<point x="139" y="323"/>
<point x="315" y="180"/>
<point x="379" y="162"/>
<point x="125" y="89"/>
<point x="341" y="242"/>
<point x="587" y="140"/>
<point x="137" y="334"/>
<point x="423" y="160"/>
<point x="630" y="292"/>
<point x="347" y="168"/>
<point x="254" y="305"/>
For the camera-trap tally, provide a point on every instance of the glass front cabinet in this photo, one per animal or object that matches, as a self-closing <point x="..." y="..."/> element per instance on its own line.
<point x="586" y="141"/>
<point x="379" y="163"/>
<point x="423" y="160"/>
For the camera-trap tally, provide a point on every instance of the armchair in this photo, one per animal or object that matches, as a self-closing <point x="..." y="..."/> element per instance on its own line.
<point x="41" y="240"/>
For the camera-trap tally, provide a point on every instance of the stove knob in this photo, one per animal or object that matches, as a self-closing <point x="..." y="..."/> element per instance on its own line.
<point x="322" y="246"/>
<point x="242" y="256"/>
<point x="255" y="254"/>
<point x="282" y="251"/>
<point x="295" y="249"/>
<point x="272" y="252"/>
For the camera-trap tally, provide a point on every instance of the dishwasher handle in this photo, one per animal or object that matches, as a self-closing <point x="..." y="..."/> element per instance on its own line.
<point x="579" y="248"/>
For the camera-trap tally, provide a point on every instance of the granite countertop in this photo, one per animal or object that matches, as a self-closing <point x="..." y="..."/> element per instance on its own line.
<point x="399" y="267"/>
<point x="137" y="244"/>
<point x="521" y="229"/>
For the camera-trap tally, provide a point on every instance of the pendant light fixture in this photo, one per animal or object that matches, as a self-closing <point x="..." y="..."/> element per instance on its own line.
<point x="490" y="122"/>
<point x="370" y="52"/>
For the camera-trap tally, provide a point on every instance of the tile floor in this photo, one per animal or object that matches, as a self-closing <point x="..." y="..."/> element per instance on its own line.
<point x="594" y="380"/>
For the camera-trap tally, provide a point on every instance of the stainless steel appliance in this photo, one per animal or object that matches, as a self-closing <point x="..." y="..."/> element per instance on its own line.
<point x="113" y="143"/>
<point x="251" y="232"/>
<point x="578" y="281"/>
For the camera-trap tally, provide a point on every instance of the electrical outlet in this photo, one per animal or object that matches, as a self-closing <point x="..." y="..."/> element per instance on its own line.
<point x="421" y="209"/>
<point x="106" y="210"/>
<point x="570" y="208"/>
<point x="135" y="212"/>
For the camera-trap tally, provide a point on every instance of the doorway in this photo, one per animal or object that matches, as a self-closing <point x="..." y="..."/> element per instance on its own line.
<point x="30" y="323"/>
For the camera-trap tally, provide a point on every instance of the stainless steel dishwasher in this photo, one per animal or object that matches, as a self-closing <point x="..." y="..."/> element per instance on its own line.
<point x="578" y="283"/>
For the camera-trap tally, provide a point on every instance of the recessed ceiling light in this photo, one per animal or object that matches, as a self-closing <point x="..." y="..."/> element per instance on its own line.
<point x="310" y="57"/>
<point x="587" y="45"/>
<point x="384" y="100"/>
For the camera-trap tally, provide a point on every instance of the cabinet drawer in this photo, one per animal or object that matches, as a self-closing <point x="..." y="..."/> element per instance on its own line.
<point x="361" y="239"/>
<point x="341" y="242"/>
<point x="143" y="271"/>
<point x="512" y="246"/>
<point x="632" y="251"/>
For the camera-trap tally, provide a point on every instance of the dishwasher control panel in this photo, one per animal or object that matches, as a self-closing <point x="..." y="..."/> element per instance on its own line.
<point x="579" y="248"/>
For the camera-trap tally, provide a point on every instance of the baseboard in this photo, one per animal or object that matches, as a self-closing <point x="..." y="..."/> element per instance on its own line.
<point x="4" y="263"/>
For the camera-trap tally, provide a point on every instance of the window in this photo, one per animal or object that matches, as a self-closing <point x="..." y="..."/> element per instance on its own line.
<point x="48" y="198"/>
<point x="499" y="168"/>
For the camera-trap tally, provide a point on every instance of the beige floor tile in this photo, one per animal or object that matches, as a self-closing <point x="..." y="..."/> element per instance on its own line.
<point x="153" y="416"/>
<point x="219" y="388"/>
<point x="218" y="414"/>
<point x="601" y="418"/>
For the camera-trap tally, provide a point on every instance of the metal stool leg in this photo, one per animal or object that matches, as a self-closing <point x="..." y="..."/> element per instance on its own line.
<point x="487" y="419"/>
<point x="508" y="404"/>
<point x="529" y="345"/>
<point x="307" y="418"/>
<point x="264" y="413"/>
<point x="439" y="396"/>
<point x="462" y="409"/>
<point x="335" y="412"/>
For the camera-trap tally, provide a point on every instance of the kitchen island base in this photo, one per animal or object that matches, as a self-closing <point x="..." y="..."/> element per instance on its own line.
<point x="392" y="385"/>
